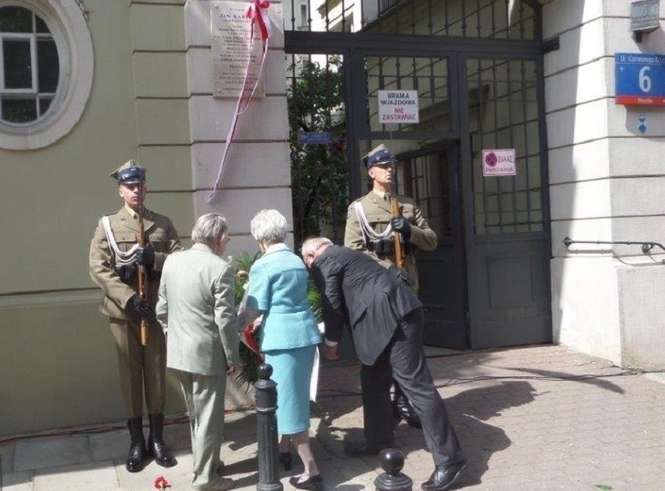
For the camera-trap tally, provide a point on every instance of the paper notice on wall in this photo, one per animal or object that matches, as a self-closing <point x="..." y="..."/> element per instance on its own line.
<point x="499" y="162"/>
<point x="232" y="52"/>
<point x="398" y="106"/>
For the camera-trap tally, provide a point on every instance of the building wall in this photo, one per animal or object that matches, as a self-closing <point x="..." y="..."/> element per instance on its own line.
<point x="605" y="184"/>
<point x="152" y="100"/>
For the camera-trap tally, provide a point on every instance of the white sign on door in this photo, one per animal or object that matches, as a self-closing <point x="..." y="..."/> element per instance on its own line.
<point x="398" y="107"/>
<point x="499" y="162"/>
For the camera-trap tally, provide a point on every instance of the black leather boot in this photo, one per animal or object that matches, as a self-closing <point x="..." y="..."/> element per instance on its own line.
<point x="137" y="452"/>
<point x="156" y="446"/>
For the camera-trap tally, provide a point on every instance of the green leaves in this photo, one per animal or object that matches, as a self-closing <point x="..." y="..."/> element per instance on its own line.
<point x="318" y="172"/>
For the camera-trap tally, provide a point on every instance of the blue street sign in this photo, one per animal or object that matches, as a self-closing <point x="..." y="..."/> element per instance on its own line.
<point x="639" y="79"/>
<point x="314" y="138"/>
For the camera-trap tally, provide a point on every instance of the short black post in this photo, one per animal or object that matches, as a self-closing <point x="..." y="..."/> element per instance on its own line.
<point x="266" y="430"/>
<point x="392" y="461"/>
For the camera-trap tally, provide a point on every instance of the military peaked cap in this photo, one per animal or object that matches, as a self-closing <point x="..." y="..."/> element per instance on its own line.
<point x="129" y="173"/>
<point x="379" y="155"/>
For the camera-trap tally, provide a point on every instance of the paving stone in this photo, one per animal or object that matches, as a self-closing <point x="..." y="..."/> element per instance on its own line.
<point x="41" y="453"/>
<point x="179" y="476"/>
<point x="17" y="481"/>
<point x="7" y="458"/>
<point x="109" y="446"/>
<point x="549" y="431"/>
<point x="98" y="476"/>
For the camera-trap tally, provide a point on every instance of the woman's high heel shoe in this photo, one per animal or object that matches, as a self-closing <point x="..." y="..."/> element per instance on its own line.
<point x="312" y="482"/>
<point x="285" y="460"/>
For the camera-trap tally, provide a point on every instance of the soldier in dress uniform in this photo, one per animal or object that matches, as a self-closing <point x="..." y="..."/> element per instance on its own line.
<point x="369" y="227"/>
<point x="115" y="255"/>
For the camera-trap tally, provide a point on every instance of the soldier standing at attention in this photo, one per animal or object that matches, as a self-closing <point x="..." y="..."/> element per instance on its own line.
<point x="369" y="228"/>
<point x="115" y="256"/>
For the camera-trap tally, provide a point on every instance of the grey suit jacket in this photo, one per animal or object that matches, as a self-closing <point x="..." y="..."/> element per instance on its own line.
<point x="196" y="306"/>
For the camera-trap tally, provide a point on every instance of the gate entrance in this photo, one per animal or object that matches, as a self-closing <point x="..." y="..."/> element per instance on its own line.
<point x="477" y="69"/>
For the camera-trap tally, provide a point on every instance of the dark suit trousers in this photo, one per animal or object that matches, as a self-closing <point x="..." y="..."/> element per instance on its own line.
<point x="404" y="360"/>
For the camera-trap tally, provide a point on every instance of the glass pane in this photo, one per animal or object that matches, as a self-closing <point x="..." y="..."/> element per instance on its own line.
<point x="499" y="120"/>
<point x="44" y="104"/>
<point x="41" y="25"/>
<point x="499" y="19"/>
<point x="19" y="110"/>
<point x="18" y="69"/>
<point x="428" y="76"/>
<point x="47" y="62"/>
<point x="15" y="19"/>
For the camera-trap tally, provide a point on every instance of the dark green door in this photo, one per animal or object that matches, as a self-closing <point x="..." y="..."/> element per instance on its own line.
<point x="431" y="177"/>
<point x="506" y="233"/>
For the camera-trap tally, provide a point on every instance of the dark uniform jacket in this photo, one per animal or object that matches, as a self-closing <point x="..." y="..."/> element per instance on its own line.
<point x="160" y="234"/>
<point x="358" y="291"/>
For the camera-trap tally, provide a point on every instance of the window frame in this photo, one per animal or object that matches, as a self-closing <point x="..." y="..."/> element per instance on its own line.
<point x="33" y="37"/>
<point x="68" y="28"/>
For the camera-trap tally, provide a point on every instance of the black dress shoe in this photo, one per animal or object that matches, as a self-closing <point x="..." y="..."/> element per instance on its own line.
<point x="444" y="477"/>
<point x="285" y="460"/>
<point x="137" y="451"/>
<point x="360" y="449"/>
<point x="404" y="410"/>
<point x="312" y="482"/>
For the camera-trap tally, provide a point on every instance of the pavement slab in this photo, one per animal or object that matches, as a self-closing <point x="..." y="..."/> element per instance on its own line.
<point x="16" y="481"/>
<point x="98" y="476"/>
<point x="42" y="453"/>
<point x="533" y="418"/>
<point x="7" y="458"/>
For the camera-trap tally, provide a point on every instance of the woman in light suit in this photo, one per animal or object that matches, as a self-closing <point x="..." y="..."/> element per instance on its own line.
<point x="288" y="336"/>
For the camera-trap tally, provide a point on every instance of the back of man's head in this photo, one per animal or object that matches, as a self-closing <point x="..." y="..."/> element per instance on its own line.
<point x="209" y="229"/>
<point x="313" y="244"/>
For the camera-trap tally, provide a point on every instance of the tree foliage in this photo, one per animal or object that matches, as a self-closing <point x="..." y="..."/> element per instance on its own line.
<point x="318" y="172"/>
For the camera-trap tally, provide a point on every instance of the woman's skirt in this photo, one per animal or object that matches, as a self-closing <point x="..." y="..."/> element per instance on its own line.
<point x="292" y="371"/>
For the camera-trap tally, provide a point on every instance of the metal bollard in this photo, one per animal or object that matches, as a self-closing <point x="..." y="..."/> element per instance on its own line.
<point x="266" y="430"/>
<point x="392" y="461"/>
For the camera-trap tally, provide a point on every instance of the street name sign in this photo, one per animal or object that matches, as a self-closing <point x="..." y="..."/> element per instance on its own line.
<point x="398" y="107"/>
<point x="639" y="79"/>
<point x="644" y="15"/>
<point x="314" y="138"/>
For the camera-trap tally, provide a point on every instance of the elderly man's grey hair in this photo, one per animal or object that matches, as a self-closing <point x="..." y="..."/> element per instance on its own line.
<point x="312" y="245"/>
<point x="209" y="229"/>
<point x="269" y="227"/>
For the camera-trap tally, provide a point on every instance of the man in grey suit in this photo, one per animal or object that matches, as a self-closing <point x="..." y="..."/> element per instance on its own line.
<point x="386" y="321"/>
<point x="196" y="308"/>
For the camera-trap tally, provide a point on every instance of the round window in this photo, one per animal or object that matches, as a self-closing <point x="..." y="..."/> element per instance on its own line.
<point x="30" y="66"/>
<point x="46" y="71"/>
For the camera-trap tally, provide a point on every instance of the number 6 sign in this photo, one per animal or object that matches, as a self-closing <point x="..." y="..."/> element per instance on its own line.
<point x="639" y="79"/>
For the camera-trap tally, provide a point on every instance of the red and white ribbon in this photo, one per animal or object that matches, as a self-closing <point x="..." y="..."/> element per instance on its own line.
<point x="259" y="20"/>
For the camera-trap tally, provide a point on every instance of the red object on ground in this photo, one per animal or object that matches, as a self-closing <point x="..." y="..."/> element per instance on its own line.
<point x="162" y="483"/>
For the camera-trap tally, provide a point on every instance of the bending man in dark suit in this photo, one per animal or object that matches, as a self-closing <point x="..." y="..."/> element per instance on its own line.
<point x="386" y="320"/>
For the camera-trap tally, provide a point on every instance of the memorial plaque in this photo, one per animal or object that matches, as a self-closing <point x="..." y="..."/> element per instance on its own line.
<point x="232" y="51"/>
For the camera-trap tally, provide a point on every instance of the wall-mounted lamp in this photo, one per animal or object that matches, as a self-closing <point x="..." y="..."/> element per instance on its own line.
<point x="644" y="17"/>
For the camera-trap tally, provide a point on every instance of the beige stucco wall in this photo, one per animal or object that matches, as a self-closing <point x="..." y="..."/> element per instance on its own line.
<point x="606" y="184"/>
<point x="152" y="100"/>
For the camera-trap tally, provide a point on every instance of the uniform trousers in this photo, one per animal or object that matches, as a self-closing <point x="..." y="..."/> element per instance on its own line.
<point x="204" y="399"/>
<point x="142" y="369"/>
<point x="404" y="361"/>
